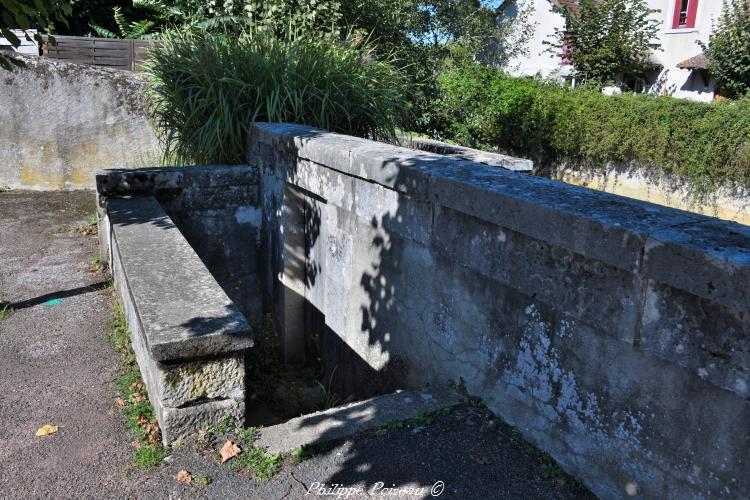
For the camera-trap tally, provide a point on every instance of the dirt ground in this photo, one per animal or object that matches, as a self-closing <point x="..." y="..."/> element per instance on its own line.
<point x="56" y="367"/>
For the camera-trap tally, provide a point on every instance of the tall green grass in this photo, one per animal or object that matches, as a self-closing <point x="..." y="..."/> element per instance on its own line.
<point x="206" y="91"/>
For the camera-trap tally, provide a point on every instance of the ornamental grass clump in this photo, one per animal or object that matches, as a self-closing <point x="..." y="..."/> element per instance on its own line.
<point x="206" y="91"/>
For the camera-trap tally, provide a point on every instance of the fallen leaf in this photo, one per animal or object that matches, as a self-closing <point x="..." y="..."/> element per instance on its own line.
<point x="152" y="432"/>
<point x="136" y="444"/>
<point x="112" y="412"/>
<point x="136" y="385"/>
<point x="184" y="477"/>
<point x="228" y="451"/>
<point x="120" y="402"/>
<point x="46" y="430"/>
<point x="137" y="398"/>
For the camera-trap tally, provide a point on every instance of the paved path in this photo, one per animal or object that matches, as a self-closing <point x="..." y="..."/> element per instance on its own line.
<point x="56" y="367"/>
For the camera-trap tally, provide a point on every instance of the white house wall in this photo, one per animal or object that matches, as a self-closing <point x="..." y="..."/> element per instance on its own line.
<point x="538" y="60"/>
<point x="676" y="46"/>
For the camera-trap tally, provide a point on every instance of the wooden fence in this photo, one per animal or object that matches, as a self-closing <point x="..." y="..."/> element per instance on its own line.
<point x="127" y="55"/>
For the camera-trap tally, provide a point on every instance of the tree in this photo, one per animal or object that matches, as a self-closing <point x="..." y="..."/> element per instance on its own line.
<point x="27" y="15"/>
<point x="607" y="39"/>
<point x="728" y="49"/>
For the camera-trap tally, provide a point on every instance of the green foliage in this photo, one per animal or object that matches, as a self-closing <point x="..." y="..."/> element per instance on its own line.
<point x="422" y="36"/>
<point x="133" y="401"/>
<point x="707" y="143"/>
<point x="248" y="436"/>
<point x="223" y="426"/>
<point x="118" y="335"/>
<point x="127" y="29"/>
<point x="5" y="310"/>
<point x="281" y="17"/>
<point x="201" y="479"/>
<point x="728" y="49"/>
<point x="262" y="465"/>
<point x="604" y="39"/>
<point x="207" y="91"/>
<point x="26" y="15"/>
<point x="301" y="453"/>
<point x="148" y="455"/>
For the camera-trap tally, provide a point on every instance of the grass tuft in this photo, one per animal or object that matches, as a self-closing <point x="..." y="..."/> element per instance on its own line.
<point x="5" y="310"/>
<point x="148" y="455"/>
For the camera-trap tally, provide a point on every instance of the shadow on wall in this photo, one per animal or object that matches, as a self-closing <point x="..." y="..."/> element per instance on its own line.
<point x="344" y="263"/>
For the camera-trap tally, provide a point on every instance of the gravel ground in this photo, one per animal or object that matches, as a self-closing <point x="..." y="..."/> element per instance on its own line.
<point x="56" y="367"/>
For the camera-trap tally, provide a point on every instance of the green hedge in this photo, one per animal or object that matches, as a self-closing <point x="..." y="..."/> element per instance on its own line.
<point x="705" y="143"/>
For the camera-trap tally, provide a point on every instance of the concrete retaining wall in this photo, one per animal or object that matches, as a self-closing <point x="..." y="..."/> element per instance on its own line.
<point x="59" y="122"/>
<point x="615" y="334"/>
<point x="642" y="184"/>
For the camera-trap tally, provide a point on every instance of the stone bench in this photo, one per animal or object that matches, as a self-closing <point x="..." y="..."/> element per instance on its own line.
<point x="189" y="338"/>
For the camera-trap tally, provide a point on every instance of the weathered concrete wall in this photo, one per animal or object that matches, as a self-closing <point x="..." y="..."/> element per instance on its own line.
<point x="59" y="122"/>
<point x="614" y="333"/>
<point x="725" y="203"/>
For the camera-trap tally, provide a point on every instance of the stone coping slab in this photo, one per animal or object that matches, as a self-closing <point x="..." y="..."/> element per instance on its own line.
<point x="146" y="181"/>
<point x="702" y="255"/>
<point x="463" y="153"/>
<point x="183" y="311"/>
<point x="348" y="420"/>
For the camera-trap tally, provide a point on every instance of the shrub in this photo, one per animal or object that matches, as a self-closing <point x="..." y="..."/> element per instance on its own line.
<point x="728" y="49"/>
<point x="707" y="143"/>
<point x="207" y="91"/>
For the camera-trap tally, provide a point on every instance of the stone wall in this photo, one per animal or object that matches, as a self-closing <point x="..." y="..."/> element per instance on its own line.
<point x="189" y="338"/>
<point x="648" y="184"/>
<point x="215" y="207"/>
<point x="615" y="334"/>
<point x="59" y="122"/>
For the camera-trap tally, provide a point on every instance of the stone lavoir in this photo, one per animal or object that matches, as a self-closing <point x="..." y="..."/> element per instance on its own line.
<point x="613" y="333"/>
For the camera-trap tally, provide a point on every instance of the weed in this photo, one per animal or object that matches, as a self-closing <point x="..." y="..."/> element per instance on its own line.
<point x="92" y="218"/>
<point x="419" y="420"/>
<point x="444" y="410"/>
<point x="248" y="436"/>
<point x="133" y="401"/>
<point x="201" y="479"/>
<point x="301" y="453"/>
<point x="5" y="310"/>
<point x="5" y="189"/>
<point x="148" y="455"/>
<point x="459" y="385"/>
<point x="330" y="399"/>
<point x="476" y="402"/>
<point x="262" y="464"/>
<point x="225" y="425"/>
<point x="551" y="470"/>
<point x="95" y="265"/>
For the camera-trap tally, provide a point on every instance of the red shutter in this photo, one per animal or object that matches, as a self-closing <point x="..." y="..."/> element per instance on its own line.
<point x="692" y="14"/>
<point x="676" y="18"/>
<point x="689" y="20"/>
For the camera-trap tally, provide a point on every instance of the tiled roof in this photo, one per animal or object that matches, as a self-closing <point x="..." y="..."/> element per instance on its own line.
<point x="696" y="62"/>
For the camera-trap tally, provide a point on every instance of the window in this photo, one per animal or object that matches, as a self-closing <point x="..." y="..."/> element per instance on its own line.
<point x="684" y="14"/>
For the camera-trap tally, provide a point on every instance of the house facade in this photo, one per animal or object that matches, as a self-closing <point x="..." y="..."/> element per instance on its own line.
<point x="683" y="24"/>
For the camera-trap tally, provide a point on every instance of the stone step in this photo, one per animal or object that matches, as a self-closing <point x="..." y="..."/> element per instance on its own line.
<point x="347" y="420"/>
